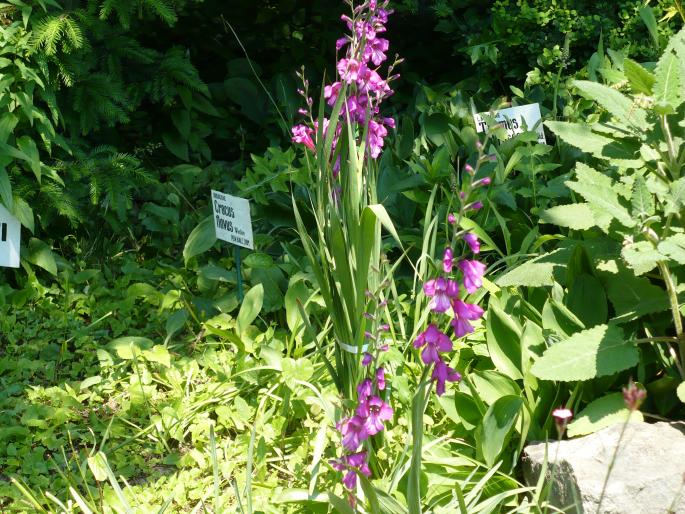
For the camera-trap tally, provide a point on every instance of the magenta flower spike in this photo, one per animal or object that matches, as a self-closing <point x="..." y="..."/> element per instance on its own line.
<point x="463" y="313"/>
<point x="443" y="373"/>
<point x="353" y="432"/>
<point x="366" y="359"/>
<point x="433" y="342"/>
<point x="473" y="274"/>
<point x="442" y="291"/>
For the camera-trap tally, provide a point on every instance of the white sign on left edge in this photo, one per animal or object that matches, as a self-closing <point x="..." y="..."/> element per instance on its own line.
<point x="10" y="238"/>
<point x="513" y="119"/>
<point x="232" y="220"/>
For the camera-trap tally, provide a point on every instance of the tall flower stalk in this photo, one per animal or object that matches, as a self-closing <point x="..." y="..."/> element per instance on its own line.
<point x="342" y="141"/>
<point x="459" y="275"/>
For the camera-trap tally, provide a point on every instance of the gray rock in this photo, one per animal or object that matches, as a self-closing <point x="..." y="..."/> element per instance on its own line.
<point x="647" y="477"/>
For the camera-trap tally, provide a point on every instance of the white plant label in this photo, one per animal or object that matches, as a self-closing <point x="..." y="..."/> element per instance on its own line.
<point x="10" y="238"/>
<point x="232" y="220"/>
<point x="513" y="120"/>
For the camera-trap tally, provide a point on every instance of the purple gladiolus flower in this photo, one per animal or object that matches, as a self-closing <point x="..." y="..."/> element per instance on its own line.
<point x="365" y="389"/>
<point x="442" y="291"/>
<point x="353" y="432"/>
<point x="303" y="135"/>
<point x="374" y="411"/>
<point x="447" y="259"/>
<point x="434" y="342"/>
<point x="353" y="464"/>
<point x="472" y="240"/>
<point x="473" y="274"/>
<point x="366" y="360"/>
<point x="375" y="50"/>
<point x="463" y="313"/>
<point x="380" y="379"/>
<point x="443" y="373"/>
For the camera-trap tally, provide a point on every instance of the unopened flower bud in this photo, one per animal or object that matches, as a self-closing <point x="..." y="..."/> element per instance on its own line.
<point x="469" y="169"/>
<point x="562" y="417"/>
<point x="633" y="396"/>
<point x="474" y="206"/>
<point x="485" y="181"/>
<point x="451" y="219"/>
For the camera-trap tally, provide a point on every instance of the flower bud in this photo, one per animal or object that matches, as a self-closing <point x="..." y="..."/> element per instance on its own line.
<point x="451" y="219"/>
<point x="469" y="169"/>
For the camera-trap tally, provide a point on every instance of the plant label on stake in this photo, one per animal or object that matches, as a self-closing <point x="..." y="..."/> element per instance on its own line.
<point x="233" y="224"/>
<point x="514" y="119"/>
<point x="10" y="237"/>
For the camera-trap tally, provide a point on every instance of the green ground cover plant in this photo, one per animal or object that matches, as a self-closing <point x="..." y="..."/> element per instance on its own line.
<point x="422" y="300"/>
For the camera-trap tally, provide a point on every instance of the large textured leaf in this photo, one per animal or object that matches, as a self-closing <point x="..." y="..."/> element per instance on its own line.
<point x="6" y="190"/>
<point x="602" y="412"/>
<point x="576" y="216"/>
<point x="537" y="272"/>
<point x="641" y="80"/>
<point x="504" y="342"/>
<point x="641" y="256"/>
<point x="596" y="352"/>
<point x="587" y="300"/>
<point x="667" y="92"/>
<point x="600" y="194"/>
<point x="618" y="105"/>
<point x="498" y="423"/>
<point x="674" y="248"/>
<point x="633" y="296"/>
<point x="41" y="255"/>
<point x="581" y="136"/>
<point x="201" y="239"/>
<point x="642" y="200"/>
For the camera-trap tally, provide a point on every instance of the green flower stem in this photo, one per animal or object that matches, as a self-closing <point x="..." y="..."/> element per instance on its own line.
<point x="613" y="461"/>
<point x="418" y="407"/>
<point x="675" y="310"/>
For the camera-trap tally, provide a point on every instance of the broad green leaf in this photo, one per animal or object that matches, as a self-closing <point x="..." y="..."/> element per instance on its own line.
<point x="600" y="413"/>
<point x="130" y="346"/>
<point x="176" y="321"/>
<point x="559" y="319"/>
<point x="29" y="148"/>
<point x="181" y="120"/>
<point x="595" y="352"/>
<point x="498" y="423"/>
<point x="667" y="94"/>
<point x="7" y="123"/>
<point x="674" y="248"/>
<point x="436" y="126"/>
<point x="676" y="198"/>
<point x="41" y="255"/>
<point x="158" y="354"/>
<point x="598" y="191"/>
<point x="385" y="220"/>
<point x="504" y="341"/>
<point x="648" y="18"/>
<point x="641" y="256"/>
<point x="537" y="272"/>
<point x="300" y="369"/>
<point x="587" y="300"/>
<point x="641" y="80"/>
<point x="576" y="216"/>
<point x="492" y="385"/>
<point x="633" y="296"/>
<point x="581" y="136"/>
<point x="252" y="305"/>
<point x="201" y="239"/>
<point x="98" y="466"/>
<point x="176" y="144"/>
<point x="297" y="291"/>
<point x="6" y="190"/>
<point x="621" y="107"/>
<point x="642" y="200"/>
<point x="681" y="392"/>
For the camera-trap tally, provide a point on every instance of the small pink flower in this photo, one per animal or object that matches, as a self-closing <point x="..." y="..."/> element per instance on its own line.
<point x="352" y="464"/>
<point x="364" y="389"/>
<point x="366" y="360"/>
<point x="443" y="373"/>
<point x="472" y="240"/>
<point x="463" y="313"/>
<point x="433" y="341"/>
<point x="374" y="412"/>
<point x="473" y="274"/>
<point x="380" y="379"/>
<point x="348" y="69"/>
<point x="353" y="432"/>
<point x="469" y="169"/>
<point x="562" y="415"/>
<point x="303" y="135"/>
<point x="451" y="219"/>
<point x="442" y="291"/>
<point x="447" y="260"/>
